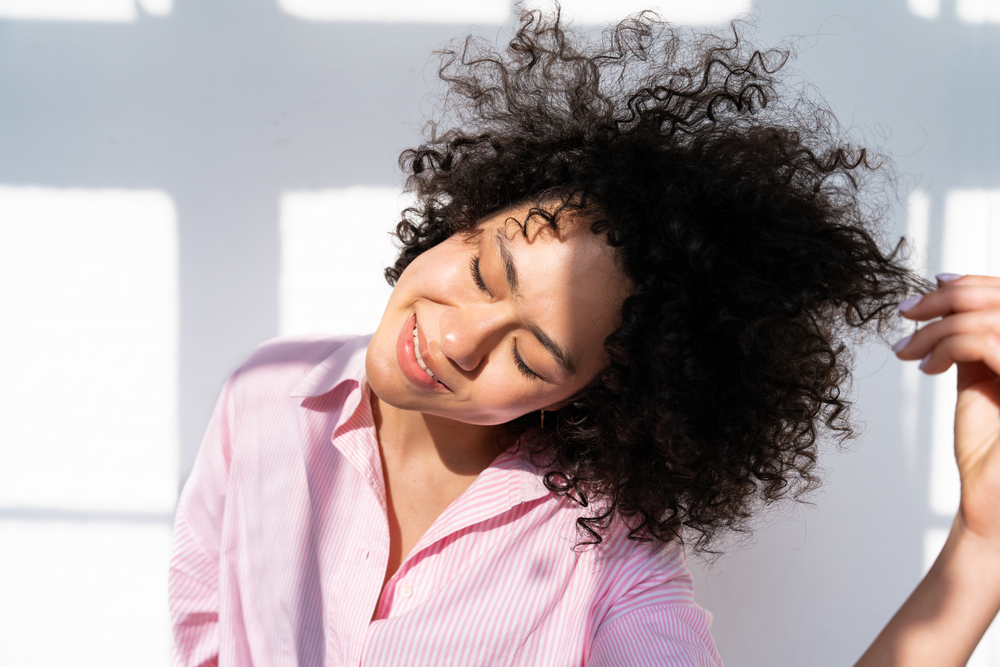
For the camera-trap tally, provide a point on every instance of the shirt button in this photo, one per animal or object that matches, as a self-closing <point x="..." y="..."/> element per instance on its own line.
<point x="406" y="591"/>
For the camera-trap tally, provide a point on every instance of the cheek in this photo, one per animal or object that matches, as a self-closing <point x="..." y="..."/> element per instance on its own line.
<point x="502" y="397"/>
<point x="441" y="277"/>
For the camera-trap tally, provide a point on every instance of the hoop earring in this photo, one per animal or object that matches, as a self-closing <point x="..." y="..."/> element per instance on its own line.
<point x="543" y="417"/>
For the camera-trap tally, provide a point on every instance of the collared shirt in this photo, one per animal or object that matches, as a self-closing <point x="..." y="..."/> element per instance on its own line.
<point x="281" y="544"/>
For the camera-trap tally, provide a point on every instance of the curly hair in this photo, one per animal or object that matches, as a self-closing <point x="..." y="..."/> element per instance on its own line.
<point x="734" y="207"/>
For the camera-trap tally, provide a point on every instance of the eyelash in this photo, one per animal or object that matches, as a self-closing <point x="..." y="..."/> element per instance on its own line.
<point x="477" y="277"/>
<point x="521" y="366"/>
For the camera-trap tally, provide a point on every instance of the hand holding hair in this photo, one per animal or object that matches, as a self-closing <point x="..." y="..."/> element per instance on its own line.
<point x="598" y="229"/>
<point x="948" y="613"/>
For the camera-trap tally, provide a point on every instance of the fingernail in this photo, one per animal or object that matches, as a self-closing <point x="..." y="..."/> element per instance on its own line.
<point x="902" y="343"/>
<point x="947" y="277"/>
<point x="923" y="362"/>
<point x="910" y="303"/>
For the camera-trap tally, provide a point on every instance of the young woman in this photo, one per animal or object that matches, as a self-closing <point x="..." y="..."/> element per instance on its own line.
<point x="617" y="328"/>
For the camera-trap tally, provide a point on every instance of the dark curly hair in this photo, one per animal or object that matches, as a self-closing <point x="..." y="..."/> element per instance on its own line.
<point x="733" y="203"/>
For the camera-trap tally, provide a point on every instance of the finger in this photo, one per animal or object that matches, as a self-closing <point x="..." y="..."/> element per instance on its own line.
<point x="954" y="297"/>
<point x="964" y="348"/>
<point x="945" y="279"/>
<point x="920" y="343"/>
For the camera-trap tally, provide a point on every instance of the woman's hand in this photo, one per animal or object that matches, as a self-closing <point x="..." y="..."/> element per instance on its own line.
<point x="950" y="610"/>
<point x="966" y="331"/>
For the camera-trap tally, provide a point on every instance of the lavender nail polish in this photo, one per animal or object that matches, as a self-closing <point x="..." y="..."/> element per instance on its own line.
<point x="947" y="277"/>
<point x="923" y="362"/>
<point x="902" y="343"/>
<point x="910" y="303"/>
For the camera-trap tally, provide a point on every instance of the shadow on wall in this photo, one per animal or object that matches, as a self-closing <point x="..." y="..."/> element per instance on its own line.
<point x="224" y="107"/>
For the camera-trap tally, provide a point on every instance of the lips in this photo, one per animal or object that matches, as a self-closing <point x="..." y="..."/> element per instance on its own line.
<point x="409" y="362"/>
<point x="419" y="355"/>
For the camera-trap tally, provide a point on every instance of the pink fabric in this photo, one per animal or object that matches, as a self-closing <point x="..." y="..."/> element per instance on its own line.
<point x="281" y="545"/>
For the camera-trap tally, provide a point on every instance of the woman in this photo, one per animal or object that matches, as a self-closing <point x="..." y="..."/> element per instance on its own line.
<point x="616" y="330"/>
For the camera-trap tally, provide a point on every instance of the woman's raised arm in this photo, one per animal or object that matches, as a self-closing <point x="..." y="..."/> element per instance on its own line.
<point x="946" y="616"/>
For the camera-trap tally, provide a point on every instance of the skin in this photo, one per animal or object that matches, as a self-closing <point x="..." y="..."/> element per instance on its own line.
<point x="436" y="437"/>
<point x="943" y="620"/>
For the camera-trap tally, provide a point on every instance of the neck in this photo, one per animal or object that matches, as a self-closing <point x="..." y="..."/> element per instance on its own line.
<point x="463" y="449"/>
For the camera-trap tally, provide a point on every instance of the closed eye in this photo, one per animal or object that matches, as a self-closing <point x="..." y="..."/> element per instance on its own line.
<point x="521" y="366"/>
<point x="477" y="276"/>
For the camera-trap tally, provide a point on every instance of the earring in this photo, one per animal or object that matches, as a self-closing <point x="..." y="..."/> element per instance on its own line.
<point x="543" y="417"/>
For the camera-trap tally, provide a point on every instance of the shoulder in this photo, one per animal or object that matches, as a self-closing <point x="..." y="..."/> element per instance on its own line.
<point x="643" y="573"/>
<point x="278" y="366"/>
<point x="651" y="557"/>
<point x="295" y="351"/>
<point x="651" y="617"/>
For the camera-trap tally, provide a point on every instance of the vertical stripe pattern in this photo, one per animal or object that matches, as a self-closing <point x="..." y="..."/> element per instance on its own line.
<point x="281" y="544"/>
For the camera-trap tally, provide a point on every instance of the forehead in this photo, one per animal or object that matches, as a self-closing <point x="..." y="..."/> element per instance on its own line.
<point x="569" y="243"/>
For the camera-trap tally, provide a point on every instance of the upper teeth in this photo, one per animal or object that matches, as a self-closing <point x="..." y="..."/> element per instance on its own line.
<point x="416" y="353"/>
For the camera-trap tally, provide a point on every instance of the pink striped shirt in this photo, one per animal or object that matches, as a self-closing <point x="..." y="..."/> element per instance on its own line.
<point x="281" y="544"/>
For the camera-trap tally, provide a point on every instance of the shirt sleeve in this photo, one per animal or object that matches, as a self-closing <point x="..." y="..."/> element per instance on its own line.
<point x="193" y="580"/>
<point x="664" y="635"/>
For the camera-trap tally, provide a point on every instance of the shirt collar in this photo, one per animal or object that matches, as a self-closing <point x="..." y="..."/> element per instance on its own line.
<point x="345" y="362"/>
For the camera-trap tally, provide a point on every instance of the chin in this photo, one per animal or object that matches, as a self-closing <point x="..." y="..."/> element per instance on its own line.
<point x="388" y="383"/>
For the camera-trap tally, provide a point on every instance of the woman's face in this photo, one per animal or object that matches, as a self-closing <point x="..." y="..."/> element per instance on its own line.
<point x="504" y="324"/>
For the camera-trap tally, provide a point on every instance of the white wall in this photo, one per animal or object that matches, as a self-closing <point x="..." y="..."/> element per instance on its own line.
<point x="182" y="179"/>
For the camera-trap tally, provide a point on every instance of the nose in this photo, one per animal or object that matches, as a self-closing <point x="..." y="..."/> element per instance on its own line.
<point x="469" y="334"/>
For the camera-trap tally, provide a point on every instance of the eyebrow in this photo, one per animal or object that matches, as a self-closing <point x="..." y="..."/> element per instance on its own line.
<point x="508" y="261"/>
<point x="510" y="272"/>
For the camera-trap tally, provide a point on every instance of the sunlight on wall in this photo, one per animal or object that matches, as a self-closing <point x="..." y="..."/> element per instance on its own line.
<point x="88" y="459"/>
<point x="334" y="245"/>
<point x="971" y="245"/>
<point x="83" y="594"/>
<point x="110" y="11"/>
<point x="497" y="11"/>
<point x="918" y="216"/>
<point x="925" y="9"/>
<point x="968" y="11"/>
<point x="978" y="11"/>
<point x="918" y="225"/>
<point x="680" y="11"/>
<point x="89" y="401"/>
<point x="156" y="7"/>
<point x="399" y="11"/>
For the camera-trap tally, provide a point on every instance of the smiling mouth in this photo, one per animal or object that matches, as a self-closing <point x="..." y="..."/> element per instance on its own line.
<point x="416" y="353"/>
